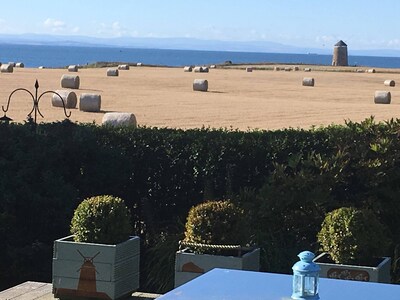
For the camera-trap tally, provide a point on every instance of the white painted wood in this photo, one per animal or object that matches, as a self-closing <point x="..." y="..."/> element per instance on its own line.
<point x="380" y="273"/>
<point x="116" y="266"/>
<point x="206" y="262"/>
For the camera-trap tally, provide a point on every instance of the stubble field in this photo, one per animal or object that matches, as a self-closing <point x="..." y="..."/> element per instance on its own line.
<point x="163" y="97"/>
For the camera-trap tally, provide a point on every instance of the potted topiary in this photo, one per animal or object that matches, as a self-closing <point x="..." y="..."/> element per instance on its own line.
<point x="100" y="259"/>
<point x="353" y="242"/>
<point x="217" y="235"/>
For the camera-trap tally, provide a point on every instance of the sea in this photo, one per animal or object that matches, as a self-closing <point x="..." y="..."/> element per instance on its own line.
<point x="60" y="56"/>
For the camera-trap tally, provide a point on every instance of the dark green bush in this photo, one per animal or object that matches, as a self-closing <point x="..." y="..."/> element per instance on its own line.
<point x="295" y="177"/>
<point x="352" y="235"/>
<point x="101" y="219"/>
<point x="286" y="212"/>
<point x="217" y="223"/>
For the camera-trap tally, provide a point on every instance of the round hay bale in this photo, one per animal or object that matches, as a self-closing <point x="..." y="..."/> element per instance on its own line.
<point x="70" y="81"/>
<point x="360" y="71"/>
<point x="197" y="69"/>
<point x="307" y="69"/>
<point x="90" y="102"/>
<point x="389" y="82"/>
<point x="382" y="97"/>
<point x="308" y="81"/>
<point x="69" y="98"/>
<point x="19" y="65"/>
<point x="296" y="68"/>
<point x="187" y="69"/>
<point x="213" y="67"/>
<point x="73" y="68"/>
<point x="119" y="119"/>
<point x="139" y="64"/>
<point x="200" y="85"/>
<point x="112" y="72"/>
<point x="204" y="69"/>
<point x="11" y="63"/>
<point x="288" y="69"/>
<point x="277" y="68"/>
<point x="123" y="67"/>
<point x="41" y="67"/>
<point x="249" y="69"/>
<point x="371" y="70"/>
<point x="6" y="68"/>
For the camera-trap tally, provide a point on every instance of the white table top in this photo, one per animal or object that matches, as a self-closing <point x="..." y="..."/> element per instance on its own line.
<point x="223" y="284"/>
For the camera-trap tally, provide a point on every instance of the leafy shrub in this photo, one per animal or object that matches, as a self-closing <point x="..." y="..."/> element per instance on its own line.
<point x="162" y="172"/>
<point x="351" y="235"/>
<point x="217" y="223"/>
<point x="101" y="219"/>
<point x="287" y="211"/>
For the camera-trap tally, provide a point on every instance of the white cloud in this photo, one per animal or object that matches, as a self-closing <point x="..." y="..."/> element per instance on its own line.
<point x="394" y="43"/>
<point x="59" y="26"/>
<point x="54" y="25"/>
<point x="134" y="33"/>
<point x="116" y="26"/>
<point x="115" y="29"/>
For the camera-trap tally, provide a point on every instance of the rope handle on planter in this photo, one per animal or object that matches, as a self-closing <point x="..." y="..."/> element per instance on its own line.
<point x="239" y="248"/>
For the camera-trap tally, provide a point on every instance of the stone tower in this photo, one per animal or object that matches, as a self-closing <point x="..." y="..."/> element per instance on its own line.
<point x="340" y="54"/>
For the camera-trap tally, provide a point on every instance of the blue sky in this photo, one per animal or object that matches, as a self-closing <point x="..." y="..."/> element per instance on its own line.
<point x="306" y="23"/>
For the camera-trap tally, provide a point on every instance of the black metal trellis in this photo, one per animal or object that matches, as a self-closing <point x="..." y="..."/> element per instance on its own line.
<point x="35" y="108"/>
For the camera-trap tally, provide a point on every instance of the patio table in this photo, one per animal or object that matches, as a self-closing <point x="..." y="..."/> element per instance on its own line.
<point x="224" y="284"/>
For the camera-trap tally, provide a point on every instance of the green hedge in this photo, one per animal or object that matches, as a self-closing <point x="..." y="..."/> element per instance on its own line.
<point x="288" y="179"/>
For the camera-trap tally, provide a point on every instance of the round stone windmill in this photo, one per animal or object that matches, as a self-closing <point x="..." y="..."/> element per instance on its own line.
<point x="340" y="54"/>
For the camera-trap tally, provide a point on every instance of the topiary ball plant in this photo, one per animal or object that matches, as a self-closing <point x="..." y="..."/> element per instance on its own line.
<point x="217" y="222"/>
<point x="350" y="235"/>
<point x="101" y="219"/>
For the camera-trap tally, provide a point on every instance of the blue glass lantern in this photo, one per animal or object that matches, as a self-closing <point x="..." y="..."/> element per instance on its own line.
<point x="305" y="277"/>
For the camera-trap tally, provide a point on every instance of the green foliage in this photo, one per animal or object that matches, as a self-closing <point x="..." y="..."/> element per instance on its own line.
<point x="101" y="219"/>
<point x="287" y="210"/>
<point x="158" y="262"/>
<point x="351" y="235"/>
<point x="217" y="223"/>
<point x="288" y="179"/>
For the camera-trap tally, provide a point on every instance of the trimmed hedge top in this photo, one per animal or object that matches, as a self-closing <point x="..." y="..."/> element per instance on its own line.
<point x="101" y="219"/>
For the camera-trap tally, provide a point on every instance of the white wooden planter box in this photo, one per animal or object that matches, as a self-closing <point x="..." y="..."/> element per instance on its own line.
<point x="380" y="273"/>
<point x="189" y="265"/>
<point x="95" y="270"/>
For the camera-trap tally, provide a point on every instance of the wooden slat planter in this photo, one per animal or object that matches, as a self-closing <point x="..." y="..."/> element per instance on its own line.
<point x="95" y="270"/>
<point x="189" y="265"/>
<point x="379" y="273"/>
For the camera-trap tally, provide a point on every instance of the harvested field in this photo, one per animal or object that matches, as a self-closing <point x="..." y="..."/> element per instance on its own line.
<point x="164" y="97"/>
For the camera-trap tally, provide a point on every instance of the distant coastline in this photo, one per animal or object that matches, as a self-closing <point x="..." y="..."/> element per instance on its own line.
<point x="182" y="44"/>
<point x="61" y="56"/>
